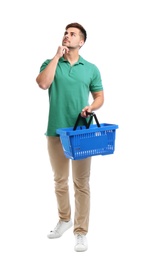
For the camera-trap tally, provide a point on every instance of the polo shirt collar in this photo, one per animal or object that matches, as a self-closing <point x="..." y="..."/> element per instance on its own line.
<point x="80" y="61"/>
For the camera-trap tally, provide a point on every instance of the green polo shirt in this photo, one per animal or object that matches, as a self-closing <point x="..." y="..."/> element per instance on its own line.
<point x="69" y="92"/>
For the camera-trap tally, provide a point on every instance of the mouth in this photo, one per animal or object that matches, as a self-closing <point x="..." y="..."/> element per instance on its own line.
<point x="65" y="41"/>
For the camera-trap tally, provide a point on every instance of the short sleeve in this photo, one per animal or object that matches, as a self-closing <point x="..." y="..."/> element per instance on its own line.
<point x="44" y="65"/>
<point x="96" y="83"/>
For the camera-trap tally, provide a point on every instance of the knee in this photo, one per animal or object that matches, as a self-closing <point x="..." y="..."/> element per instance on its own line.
<point x="81" y="183"/>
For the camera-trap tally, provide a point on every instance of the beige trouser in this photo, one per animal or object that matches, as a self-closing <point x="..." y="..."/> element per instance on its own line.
<point x="80" y="174"/>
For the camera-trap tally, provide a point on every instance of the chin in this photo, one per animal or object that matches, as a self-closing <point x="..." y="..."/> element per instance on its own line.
<point x="65" y="44"/>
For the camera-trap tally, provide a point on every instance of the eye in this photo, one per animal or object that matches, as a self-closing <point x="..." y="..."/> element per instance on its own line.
<point x="72" y="34"/>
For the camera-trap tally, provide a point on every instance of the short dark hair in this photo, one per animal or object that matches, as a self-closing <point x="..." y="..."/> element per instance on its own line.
<point x="80" y="27"/>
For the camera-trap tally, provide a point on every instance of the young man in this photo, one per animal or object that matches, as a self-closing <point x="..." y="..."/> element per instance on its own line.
<point x="70" y="79"/>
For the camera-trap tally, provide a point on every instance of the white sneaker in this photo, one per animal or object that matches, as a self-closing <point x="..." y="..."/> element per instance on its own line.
<point x="61" y="227"/>
<point x="80" y="243"/>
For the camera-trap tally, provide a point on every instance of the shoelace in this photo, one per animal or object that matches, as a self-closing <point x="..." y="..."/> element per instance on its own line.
<point x="80" y="239"/>
<point x="57" y="227"/>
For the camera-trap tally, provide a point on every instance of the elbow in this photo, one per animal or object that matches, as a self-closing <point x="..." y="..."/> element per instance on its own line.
<point x="41" y="85"/>
<point x="44" y="87"/>
<point x="102" y="101"/>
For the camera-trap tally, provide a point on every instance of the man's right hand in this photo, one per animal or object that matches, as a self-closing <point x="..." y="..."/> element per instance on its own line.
<point x="61" y="51"/>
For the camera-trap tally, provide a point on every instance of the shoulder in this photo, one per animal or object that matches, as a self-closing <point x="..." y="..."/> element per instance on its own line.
<point x="91" y="68"/>
<point x="88" y="64"/>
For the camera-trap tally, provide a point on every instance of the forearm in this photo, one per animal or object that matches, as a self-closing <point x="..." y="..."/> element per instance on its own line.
<point x="97" y="103"/>
<point x="46" y="77"/>
<point x="98" y="100"/>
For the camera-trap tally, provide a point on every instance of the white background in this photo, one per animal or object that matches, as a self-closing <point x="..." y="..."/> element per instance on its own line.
<point x="119" y="44"/>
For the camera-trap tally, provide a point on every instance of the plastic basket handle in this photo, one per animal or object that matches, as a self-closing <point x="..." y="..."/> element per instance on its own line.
<point x="87" y="124"/>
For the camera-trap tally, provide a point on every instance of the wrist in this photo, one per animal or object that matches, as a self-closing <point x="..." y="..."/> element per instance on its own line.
<point x="56" y="58"/>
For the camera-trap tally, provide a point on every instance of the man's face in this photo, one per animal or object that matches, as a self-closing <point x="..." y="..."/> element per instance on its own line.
<point x="72" y="38"/>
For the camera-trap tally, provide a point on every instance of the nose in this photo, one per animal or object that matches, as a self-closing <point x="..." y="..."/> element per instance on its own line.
<point x="66" y="36"/>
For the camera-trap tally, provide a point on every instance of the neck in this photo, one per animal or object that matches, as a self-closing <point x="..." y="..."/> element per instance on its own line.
<point x="72" y="56"/>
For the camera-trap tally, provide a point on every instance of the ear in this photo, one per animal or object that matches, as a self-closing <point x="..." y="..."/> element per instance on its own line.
<point x="81" y="43"/>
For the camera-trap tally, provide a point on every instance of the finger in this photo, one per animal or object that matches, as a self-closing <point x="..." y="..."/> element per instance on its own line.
<point x="83" y="113"/>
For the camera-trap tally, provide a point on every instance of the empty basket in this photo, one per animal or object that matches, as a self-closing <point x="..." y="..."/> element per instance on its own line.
<point x="80" y="142"/>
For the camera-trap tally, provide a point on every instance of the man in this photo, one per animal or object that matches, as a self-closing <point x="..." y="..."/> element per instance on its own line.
<point x="70" y="79"/>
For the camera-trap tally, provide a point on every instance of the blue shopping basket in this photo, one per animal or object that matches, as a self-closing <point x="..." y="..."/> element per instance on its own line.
<point x="80" y="142"/>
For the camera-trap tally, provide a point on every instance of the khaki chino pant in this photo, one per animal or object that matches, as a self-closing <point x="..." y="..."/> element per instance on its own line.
<point x="80" y="175"/>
